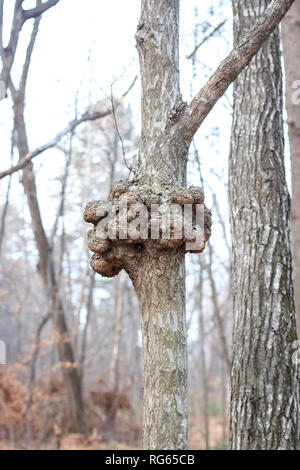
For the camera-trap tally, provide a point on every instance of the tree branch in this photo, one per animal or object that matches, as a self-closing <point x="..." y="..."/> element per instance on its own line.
<point x="39" y="10"/>
<point x="29" y="51"/>
<point x="88" y="116"/>
<point x="71" y="127"/>
<point x="19" y="18"/>
<point x="206" y="38"/>
<point x="8" y="53"/>
<point x="231" y="67"/>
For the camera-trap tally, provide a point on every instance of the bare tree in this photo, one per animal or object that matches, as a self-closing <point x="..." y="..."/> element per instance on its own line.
<point x="157" y="269"/>
<point x="19" y="18"/>
<point x="46" y="264"/>
<point x="264" y="387"/>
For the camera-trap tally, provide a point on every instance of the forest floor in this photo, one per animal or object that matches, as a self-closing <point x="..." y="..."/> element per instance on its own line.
<point x="95" y="442"/>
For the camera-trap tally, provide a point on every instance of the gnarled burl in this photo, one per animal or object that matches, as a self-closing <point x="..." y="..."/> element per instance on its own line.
<point x="121" y="250"/>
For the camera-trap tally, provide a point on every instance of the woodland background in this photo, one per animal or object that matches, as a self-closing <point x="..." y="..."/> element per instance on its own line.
<point x="90" y="65"/>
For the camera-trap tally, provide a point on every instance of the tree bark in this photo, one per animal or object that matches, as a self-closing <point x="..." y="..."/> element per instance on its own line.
<point x="264" y="387"/>
<point x="159" y="284"/>
<point x="291" y="54"/>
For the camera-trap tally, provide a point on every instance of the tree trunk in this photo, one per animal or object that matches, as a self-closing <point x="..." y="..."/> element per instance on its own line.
<point x="159" y="284"/>
<point x="264" y="388"/>
<point x="291" y="54"/>
<point x="217" y="310"/>
<point x="47" y="271"/>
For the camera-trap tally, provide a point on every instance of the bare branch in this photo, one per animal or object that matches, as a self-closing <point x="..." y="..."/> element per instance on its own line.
<point x="8" y="53"/>
<point x="87" y="321"/>
<point x="206" y="38"/>
<point x="61" y="207"/>
<point x="116" y="125"/>
<point x="217" y="310"/>
<point x="88" y="116"/>
<point x="231" y="67"/>
<point x="39" y="10"/>
<point x="71" y="127"/>
<point x="29" y="51"/>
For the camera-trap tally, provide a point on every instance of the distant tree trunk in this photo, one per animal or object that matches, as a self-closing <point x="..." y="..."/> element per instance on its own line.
<point x="217" y="311"/>
<point x="264" y="388"/>
<point x="113" y="375"/>
<point x="89" y="309"/>
<point x="113" y="379"/>
<point x="203" y="371"/>
<point x="156" y="267"/>
<point x="6" y="203"/>
<point x="291" y="53"/>
<point x="159" y="284"/>
<point x="159" y="280"/>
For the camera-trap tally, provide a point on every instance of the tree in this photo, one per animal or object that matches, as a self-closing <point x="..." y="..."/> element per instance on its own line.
<point x="46" y="265"/>
<point x="156" y="268"/>
<point x="291" y="54"/>
<point x="264" y="395"/>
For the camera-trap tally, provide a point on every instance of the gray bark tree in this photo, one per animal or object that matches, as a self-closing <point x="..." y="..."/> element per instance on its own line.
<point x="264" y="381"/>
<point x="291" y="54"/>
<point x="156" y="269"/>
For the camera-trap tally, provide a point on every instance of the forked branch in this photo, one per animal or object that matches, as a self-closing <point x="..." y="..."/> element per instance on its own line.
<point x="39" y="10"/>
<point x="87" y="116"/>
